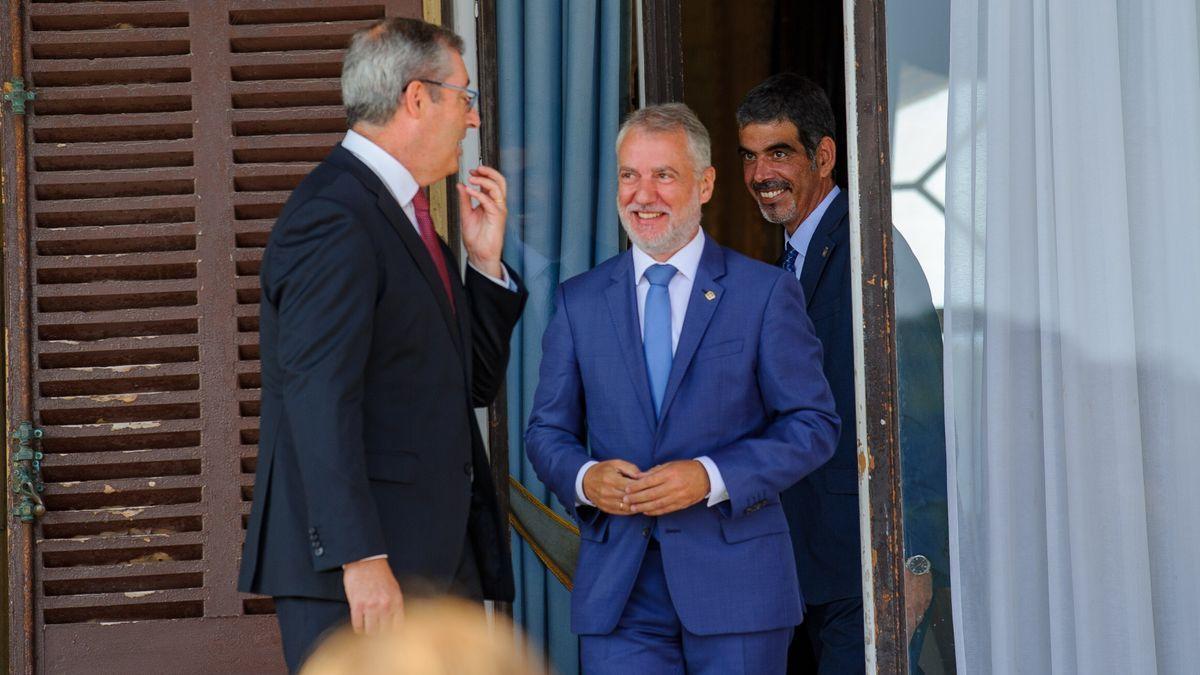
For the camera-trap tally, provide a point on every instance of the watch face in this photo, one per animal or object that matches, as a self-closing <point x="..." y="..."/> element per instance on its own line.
<point x="917" y="564"/>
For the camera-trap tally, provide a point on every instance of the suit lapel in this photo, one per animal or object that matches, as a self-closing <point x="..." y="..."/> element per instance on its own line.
<point x="700" y="311"/>
<point x="407" y="232"/>
<point x="463" y="315"/>
<point x="416" y="249"/>
<point x="824" y="241"/>
<point x="622" y="304"/>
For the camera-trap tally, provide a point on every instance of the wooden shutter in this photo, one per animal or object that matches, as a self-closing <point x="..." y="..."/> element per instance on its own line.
<point x="163" y="142"/>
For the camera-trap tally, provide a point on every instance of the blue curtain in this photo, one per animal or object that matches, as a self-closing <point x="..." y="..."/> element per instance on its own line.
<point x="560" y="80"/>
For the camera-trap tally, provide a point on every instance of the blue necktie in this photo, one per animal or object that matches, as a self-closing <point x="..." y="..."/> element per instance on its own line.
<point x="656" y="331"/>
<point x="789" y="257"/>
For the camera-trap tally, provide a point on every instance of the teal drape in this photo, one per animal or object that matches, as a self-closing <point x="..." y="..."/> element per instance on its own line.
<point x="560" y="74"/>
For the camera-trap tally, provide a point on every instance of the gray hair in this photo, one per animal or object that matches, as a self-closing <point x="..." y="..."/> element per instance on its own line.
<point x="382" y="60"/>
<point x="670" y="117"/>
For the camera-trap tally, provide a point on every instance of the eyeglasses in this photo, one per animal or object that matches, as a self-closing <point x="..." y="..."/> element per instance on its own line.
<point x="472" y="95"/>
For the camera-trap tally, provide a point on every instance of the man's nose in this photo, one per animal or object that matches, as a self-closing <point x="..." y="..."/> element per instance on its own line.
<point x="645" y="192"/>
<point x="761" y="172"/>
<point x="473" y="118"/>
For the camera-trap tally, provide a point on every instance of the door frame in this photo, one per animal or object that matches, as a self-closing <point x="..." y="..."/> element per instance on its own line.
<point x="875" y="381"/>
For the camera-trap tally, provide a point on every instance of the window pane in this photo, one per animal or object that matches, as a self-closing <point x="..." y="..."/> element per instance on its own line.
<point x="918" y="65"/>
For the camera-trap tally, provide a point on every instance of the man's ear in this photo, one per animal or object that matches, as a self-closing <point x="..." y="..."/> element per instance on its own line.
<point x="414" y="98"/>
<point x="708" y="181"/>
<point x="826" y="157"/>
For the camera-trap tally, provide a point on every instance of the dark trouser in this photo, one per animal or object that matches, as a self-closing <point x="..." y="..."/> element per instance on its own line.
<point x="830" y="641"/>
<point x="303" y="622"/>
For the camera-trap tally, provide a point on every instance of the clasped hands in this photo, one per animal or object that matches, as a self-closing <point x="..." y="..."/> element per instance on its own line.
<point x="619" y="488"/>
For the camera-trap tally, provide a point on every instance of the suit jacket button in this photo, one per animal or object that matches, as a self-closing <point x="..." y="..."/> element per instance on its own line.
<point x="312" y="531"/>
<point x="645" y="532"/>
<point x="319" y="551"/>
<point x="467" y="468"/>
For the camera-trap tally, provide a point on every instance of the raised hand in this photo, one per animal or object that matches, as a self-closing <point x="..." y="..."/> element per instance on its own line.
<point x="483" y="224"/>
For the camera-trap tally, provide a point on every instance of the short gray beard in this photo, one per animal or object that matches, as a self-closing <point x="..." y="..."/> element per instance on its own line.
<point x="779" y="215"/>
<point x="680" y="233"/>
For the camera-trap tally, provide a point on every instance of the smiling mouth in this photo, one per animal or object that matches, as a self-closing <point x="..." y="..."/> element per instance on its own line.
<point x="770" y="194"/>
<point x="648" y="215"/>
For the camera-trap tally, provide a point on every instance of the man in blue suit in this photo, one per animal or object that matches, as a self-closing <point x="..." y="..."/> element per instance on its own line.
<point x="785" y="133"/>
<point x="694" y="375"/>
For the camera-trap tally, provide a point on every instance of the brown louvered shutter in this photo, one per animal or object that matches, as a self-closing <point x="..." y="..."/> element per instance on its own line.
<point x="163" y="142"/>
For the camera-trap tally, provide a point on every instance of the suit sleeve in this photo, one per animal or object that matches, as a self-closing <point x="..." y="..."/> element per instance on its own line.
<point x="494" y="313"/>
<point x="554" y="440"/>
<point x="323" y="282"/>
<point x="803" y="429"/>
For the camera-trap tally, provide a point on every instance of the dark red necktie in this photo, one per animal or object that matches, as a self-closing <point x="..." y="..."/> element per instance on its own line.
<point x="432" y="243"/>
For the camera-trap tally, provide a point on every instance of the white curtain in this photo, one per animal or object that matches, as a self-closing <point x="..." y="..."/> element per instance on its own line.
<point x="1073" y="335"/>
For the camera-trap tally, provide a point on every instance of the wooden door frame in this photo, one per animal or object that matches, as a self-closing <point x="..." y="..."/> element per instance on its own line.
<point x="875" y="381"/>
<point x="880" y="509"/>
<point x="18" y="342"/>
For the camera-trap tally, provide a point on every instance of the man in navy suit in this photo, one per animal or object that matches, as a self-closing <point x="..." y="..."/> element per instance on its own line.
<point x="694" y="376"/>
<point x="785" y="133"/>
<point x="372" y="478"/>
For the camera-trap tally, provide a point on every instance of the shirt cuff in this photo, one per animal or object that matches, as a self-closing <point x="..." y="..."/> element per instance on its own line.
<point x="503" y="280"/>
<point x="381" y="556"/>
<point x="717" y="491"/>
<point x="580" y="498"/>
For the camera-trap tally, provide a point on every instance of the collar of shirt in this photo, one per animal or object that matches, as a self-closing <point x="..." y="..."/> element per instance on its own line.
<point x="804" y="234"/>
<point x="398" y="180"/>
<point x="685" y="261"/>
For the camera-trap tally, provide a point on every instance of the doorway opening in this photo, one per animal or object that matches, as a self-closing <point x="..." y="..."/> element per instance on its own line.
<point x="728" y="48"/>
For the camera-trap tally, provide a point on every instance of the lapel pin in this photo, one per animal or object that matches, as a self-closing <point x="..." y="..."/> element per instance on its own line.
<point x="709" y="295"/>
<point x="825" y="252"/>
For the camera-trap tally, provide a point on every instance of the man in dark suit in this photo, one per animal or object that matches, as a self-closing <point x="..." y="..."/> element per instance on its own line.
<point x="680" y="392"/>
<point x="786" y="135"/>
<point x="786" y="132"/>
<point x="372" y="475"/>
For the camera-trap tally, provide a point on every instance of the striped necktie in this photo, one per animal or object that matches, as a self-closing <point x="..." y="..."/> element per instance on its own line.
<point x="789" y="257"/>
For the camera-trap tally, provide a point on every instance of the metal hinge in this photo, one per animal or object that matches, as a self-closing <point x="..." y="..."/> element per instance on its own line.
<point x="27" y="473"/>
<point x="14" y="93"/>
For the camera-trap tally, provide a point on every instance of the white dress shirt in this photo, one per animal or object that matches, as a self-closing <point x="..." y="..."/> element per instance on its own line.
<point x="803" y="235"/>
<point x="403" y="187"/>
<point x="685" y="261"/>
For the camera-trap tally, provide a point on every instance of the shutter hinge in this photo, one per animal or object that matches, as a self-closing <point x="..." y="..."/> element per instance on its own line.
<point x="15" y="93"/>
<point x="27" y="473"/>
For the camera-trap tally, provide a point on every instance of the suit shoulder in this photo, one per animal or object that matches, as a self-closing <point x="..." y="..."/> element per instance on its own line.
<point x="329" y="209"/>
<point x="756" y="272"/>
<point x="326" y="190"/>
<point x="593" y="280"/>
